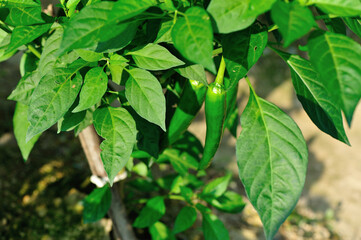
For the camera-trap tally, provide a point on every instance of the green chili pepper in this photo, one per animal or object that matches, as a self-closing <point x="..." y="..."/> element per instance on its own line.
<point x="189" y="104"/>
<point x="215" y="109"/>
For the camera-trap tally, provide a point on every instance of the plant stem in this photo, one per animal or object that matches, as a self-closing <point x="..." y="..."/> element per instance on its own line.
<point x="220" y="74"/>
<point x="176" y="197"/>
<point x="4" y="27"/>
<point x="217" y="51"/>
<point x="34" y="51"/>
<point x="272" y="28"/>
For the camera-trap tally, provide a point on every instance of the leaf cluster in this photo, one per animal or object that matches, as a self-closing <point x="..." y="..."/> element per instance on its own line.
<point x="122" y="66"/>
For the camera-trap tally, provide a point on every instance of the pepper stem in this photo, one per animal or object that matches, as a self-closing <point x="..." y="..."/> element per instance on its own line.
<point x="220" y="74"/>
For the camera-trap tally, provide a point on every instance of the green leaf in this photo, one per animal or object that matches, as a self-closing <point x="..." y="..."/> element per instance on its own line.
<point x="97" y="204"/>
<point x="71" y="6"/>
<point x="180" y="160"/>
<point x="187" y="193"/>
<point x="28" y="63"/>
<point x="165" y="32"/>
<point x="241" y="50"/>
<point x="148" y="136"/>
<point x="48" y="57"/>
<point x="337" y="59"/>
<point x="23" y="16"/>
<point x="335" y="25"/>
<point x="190" y="144"/>
<point x="257" y="7"/>
<point x="213" y="228"/>
<point x="117" y="63"/>
<point x="344" y="8"/>
<point x="21" y="124"/>
<point x="228" y="15"/>
<point x="216" y="187"/>
<point x="194" y="72"/>
<point x="159" y="231"/>
<point x="94" y="87"/>
<point x="314" y="97"/>
<point x="272" y="160"/>
<point x="88" y="55"/>
<point x="354" y="24"/>
<point x="120" y="41"/>
<point x="151" y="213"/>
<point x="145" y="95"/>
<point x="117" y="127"/>
<point x="25" y="34"/>
<point x="193" y="37"/>
<point x="87" y="121"/>
<point x="293" y="20"/>
<point x="154" y="57"/>
<point x="229" y="202"/>
<point x="25" y="88"/>
<point x="83" y="30"/>
<point x="176" y="184"/>
<point x="71" y="120"/>
<point x="51" y="99"/>
<point x="19" y="3"/>
<point x="185" y="219"/>
<point x="99" y="22"/>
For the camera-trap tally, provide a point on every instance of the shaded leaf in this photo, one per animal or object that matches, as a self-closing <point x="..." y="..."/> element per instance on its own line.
<point x="71" y="120"/>
<point x="314" y="96"/>
<point x="354" y="24"/>
<point x="180" y="160"/>
<point x="241" y="50"/>
<point x="335" y="25"/>
<point x="98" y="22"/>
<point x="48" y="57"/>
<point x="337" y="59"/>
<point x="97" y="204"/>
<point x="151" y="213"/>
<point x="185" y="219"/>
<point x="117" y="127"/>
<point x="272" y="160"/>
<point x="21" y="124"/>
<point x="25" y="34"/>
<point x="294" y="20"/>
<point x="25" y="88"/>
<point x="213" y="228"/>
<point x="120" y="41"/>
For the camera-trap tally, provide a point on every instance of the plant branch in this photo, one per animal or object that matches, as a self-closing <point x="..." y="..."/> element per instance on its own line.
<point x="91" y="145"/>
<point x="5" y="27"/>
<point x="34" y="51"/>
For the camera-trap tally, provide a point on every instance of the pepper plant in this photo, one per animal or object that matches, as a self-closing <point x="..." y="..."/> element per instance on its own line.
<point x="136" y="71"/>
